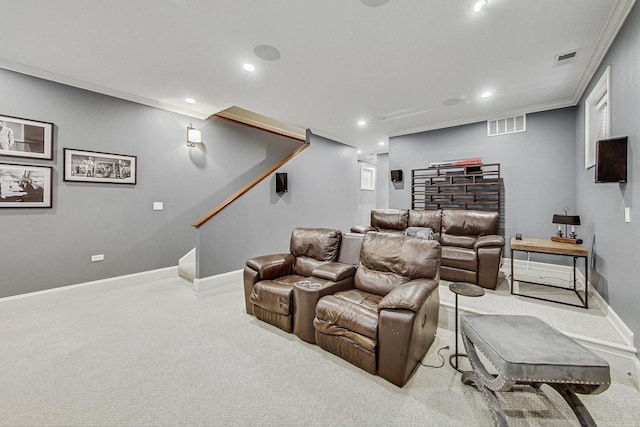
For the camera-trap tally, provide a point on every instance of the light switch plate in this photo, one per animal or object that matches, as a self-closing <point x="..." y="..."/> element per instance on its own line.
<point x="627" y="214"/>
<point x="158" y="206"/>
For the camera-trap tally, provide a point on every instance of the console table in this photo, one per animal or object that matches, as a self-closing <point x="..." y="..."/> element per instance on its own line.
<point x="554" y="248"/>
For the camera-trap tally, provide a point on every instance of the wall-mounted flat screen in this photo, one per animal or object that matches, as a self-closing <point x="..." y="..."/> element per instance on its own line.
<point x="611" y="160"/>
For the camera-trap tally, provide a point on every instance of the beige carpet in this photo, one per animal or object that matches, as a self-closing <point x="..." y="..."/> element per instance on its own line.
<point x="159" y="354"/>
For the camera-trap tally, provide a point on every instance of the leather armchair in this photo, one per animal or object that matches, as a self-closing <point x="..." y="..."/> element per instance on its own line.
<point x="282" y="289"/>
<point x="386" y="323"/>
<point x="471" y="247"/>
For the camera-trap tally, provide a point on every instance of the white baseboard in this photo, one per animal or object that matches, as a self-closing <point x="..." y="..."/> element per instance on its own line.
<point x="217" y="281"/>
<point x="126" y="280"/>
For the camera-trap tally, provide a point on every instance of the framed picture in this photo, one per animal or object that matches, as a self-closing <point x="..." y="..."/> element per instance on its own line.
<point x="91" y="166"/>
<point x="25" y="186"/>
<point x="26" y="138"/>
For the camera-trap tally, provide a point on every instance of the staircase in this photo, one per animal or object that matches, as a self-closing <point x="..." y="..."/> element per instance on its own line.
<point x="187" y="266"/>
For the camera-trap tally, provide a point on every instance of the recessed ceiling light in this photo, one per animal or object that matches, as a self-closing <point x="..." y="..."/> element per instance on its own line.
<point x="477" y="7"/>
<point x="361" y="123"/>
<point x="381" y="143"/>
<point x="190" y="100"/>
<point x="249" y="67"/>
<point x="485" y="94"/>
<point x="359" y="151"/>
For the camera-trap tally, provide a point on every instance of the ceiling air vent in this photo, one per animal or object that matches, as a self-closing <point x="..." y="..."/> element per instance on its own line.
<point x="565" y="58"/>
<point x="507" y="125"/>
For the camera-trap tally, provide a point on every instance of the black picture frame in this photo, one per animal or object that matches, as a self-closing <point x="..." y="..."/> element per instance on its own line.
<point x="95" y="166"/>
<point x="20" y="137"/>
<point x="25" y="186"/>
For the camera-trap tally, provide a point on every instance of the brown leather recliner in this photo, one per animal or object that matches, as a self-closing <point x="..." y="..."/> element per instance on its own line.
<point x="283" y="289"/>
<point x="387" y="322"/>
<point x="471" y="246"/>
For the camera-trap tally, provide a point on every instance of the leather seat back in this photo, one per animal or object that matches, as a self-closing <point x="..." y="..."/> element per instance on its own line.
<point x="313" y="247"/>
<point x="463" y="227"/>
<point x="390" y="220"/>
<point x="388" y="260"/>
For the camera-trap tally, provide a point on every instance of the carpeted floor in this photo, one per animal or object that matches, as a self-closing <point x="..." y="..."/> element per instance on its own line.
<point x="159" y="354"/>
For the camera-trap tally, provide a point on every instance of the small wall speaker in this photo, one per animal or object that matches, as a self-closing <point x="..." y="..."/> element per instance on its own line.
<point x="396" y="175"/>
<point x="281" y="182"/>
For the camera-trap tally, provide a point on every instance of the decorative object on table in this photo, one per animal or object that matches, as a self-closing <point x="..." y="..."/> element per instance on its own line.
<point x="26" y="138"/>
<point x="567" y="220"/>
<point x="525" y="350"/>
<point x="91" y="166"/>
<point x="25" y="186"/>
<point x="467" y="290"/>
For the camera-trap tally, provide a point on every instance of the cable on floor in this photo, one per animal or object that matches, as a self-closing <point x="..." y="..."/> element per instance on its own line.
<point x="446" y="347"/>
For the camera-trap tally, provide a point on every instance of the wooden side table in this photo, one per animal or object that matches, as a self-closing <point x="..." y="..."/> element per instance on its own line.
<point x="554" y="248"/>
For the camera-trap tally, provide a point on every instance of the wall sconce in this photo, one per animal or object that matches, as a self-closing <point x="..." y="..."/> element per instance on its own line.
<point x="193" y="136"/>
<point x="567" y="220"/>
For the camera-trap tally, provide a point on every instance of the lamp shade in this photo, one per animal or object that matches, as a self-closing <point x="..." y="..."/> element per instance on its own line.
<point x="566" y="219"/>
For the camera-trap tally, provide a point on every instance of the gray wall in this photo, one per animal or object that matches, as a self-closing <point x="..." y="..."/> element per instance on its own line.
<point x="615" y="244"/>
<point x="537" y="167"/>
<point x="384" y="185"/>
<point x="367" y="198"/>
<point x="47" y="248"/>
<point x="323" y="180"/>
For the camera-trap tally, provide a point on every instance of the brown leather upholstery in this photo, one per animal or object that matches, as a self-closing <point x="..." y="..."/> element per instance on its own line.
<point x="387" y="322"/>
<point x="471" y="246"/>
<point x="282" y="289"/>
<point x="390" y="220"/>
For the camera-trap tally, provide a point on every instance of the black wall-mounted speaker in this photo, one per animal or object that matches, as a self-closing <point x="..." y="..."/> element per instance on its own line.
<point x="396" y="175"/>
<point x="281" y="182"/>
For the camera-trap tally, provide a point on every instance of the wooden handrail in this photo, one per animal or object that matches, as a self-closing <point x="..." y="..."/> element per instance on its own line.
<point x="248" y="186"/>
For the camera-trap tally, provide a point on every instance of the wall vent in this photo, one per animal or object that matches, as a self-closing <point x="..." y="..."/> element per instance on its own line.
<point x="507" y="125"/>
<point x="565" y="58"/>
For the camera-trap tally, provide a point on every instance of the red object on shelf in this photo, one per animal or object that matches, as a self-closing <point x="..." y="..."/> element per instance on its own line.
<point x="466" y="162"/>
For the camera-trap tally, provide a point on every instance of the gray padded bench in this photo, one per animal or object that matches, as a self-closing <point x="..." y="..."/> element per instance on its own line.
<point x="526" y="350"/>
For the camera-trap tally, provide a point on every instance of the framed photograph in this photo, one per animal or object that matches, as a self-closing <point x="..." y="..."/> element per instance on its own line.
<point x="25" y="186"/>
<point x="26" y="138"/>
<point x="91" y="166"/>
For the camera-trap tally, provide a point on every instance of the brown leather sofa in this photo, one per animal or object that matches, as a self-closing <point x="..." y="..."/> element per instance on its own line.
<point x="386" y="323"/>
<point x="282" y="289"/>
<point x="471" y="246"/>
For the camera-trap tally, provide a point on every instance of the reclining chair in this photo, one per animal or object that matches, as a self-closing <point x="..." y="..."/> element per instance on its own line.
<point x="283" y="289"/>
<point x="386" y="323"/>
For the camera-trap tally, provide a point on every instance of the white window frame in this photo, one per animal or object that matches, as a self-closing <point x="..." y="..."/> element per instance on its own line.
<point x="597" y="120"/>
<point x="367" y="178"/>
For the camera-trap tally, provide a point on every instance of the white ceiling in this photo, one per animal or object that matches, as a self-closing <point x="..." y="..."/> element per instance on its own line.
<point x="403" y="66"/>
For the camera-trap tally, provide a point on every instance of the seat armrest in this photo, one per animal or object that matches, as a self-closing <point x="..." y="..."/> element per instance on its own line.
<point x="489" y="241"/>
<point x="409" y="296"/>
<point x="362" y="229"/>
<point x="272" y="266"/>
<point x="334" y="271"/>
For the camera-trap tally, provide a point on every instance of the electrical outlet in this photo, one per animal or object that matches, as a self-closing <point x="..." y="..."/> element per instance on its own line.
<point x="99" y="257"/>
